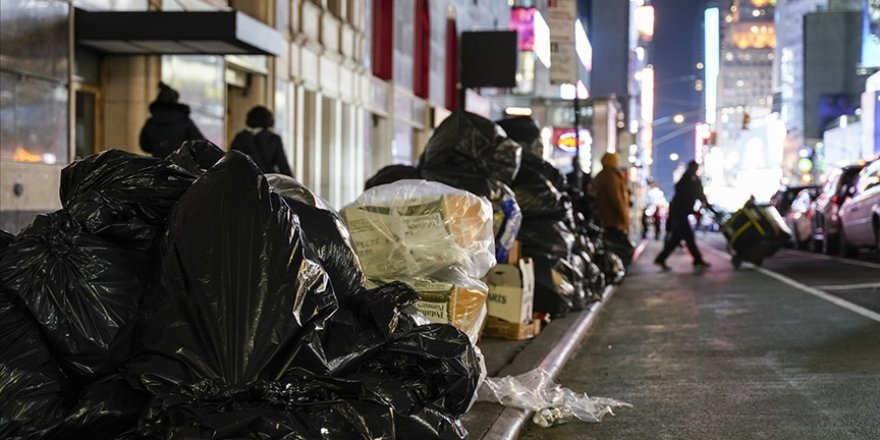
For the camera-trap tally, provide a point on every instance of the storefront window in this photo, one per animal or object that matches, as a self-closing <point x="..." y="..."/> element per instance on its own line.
<point x="401" y="145"/>
<point x="200" y="81"/>
<point x="33" y="120"/>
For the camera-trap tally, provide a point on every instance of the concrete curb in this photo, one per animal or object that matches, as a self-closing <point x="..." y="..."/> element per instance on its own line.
<point x="511" y="420"/>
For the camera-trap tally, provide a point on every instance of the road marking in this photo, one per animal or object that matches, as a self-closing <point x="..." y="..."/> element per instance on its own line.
<point x="837" y="259"/>
<point x="803" y="287"/>
<point x="849" y="286"/>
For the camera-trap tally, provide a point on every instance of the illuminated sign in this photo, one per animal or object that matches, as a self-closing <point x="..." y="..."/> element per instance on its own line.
<point x="644" y="19"/>
<point x="582" y="46"/>
<point x="522" y="20"/>
<point x="542" y="39"/>
<point x="564" y="139"/>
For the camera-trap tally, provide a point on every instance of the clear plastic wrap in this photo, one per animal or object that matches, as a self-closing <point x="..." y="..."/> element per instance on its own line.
<point x="553" y="404"/>
<point x="461" y="303"/>
<point x="414" y="228"/>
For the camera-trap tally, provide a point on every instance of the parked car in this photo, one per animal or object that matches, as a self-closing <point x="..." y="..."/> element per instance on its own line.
<point x="860" y="215"/>
<point x="799" y="217"/>
<point x="785" y="196"/>
<point x="826" y="221"/>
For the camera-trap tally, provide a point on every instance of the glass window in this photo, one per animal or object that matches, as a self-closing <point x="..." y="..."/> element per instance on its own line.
<point x="33" y="120"/>
<point x="200" y="80"/>
<point x="870" y="178"/>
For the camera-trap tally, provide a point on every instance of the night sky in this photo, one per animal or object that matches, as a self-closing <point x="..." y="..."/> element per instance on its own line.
<point x="675" y="50"/>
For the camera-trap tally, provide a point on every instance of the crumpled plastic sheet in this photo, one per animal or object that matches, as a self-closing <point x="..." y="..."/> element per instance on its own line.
<point x="471" y="146"/>
<point x="196" y="156"/>
<point x="82" y="289"/>
<point x="123" y="197"/>
<point x="552" y="403"/>
<point x="391" y="174"/>
<point x="413" y="228"/>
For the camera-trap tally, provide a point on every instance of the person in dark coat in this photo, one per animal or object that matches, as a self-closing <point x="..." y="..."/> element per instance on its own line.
<point x="169" y="126"/>
<point x="688" y="190"/>
<point x="260" y="143"/>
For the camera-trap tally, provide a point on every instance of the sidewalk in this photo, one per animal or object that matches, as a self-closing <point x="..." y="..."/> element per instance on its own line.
<point x="550" y="350"/>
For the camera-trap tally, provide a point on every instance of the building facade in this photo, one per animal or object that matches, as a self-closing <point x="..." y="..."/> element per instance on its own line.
<point x="355" y="85"/>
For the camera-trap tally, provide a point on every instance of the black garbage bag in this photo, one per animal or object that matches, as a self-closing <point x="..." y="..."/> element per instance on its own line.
<point x="470" y="147"/>
<point x="33" y="390"/>
<point x="82" y="290"/>
<point x="436" y="364"/>
<point x="238" y="284"/>
<point x="292" y="189"/>
<point x="554" y="290"/>
<point x="391" y="174"/>
<point x="539" y="189"/>
<point x="618" y="242"/>
<point x="5" y="239"/>
<point x="106" y="409"/>
<point x="525" y="131"/>
<point x="303" y="406"/>
<point x="123" y="197"/>
<point x="196" y="156"/>
<point x="543" y="236"/>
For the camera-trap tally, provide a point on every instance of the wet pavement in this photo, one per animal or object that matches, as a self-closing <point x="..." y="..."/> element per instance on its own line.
<point x="724" y="354"/>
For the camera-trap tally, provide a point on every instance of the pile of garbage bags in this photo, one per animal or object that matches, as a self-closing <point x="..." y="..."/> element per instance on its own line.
<point x="531" y="202"/>
<point x="192" y="297"/>
<point x="433" y="237"/>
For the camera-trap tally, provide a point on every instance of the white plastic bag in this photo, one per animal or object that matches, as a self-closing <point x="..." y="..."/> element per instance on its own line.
<point x="415" y="228"/>
<point x="552" y="403"/>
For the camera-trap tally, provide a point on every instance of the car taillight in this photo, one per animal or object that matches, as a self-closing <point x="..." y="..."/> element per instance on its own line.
<point x="835" y="199"/>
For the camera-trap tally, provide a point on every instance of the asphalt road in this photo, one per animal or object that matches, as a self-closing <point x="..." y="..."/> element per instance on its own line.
<point x="787" y="351"/>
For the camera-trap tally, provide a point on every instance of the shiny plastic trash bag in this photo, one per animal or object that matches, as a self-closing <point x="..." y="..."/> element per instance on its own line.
<point x="123" y="197"/>
<point x="196" y="156"/>
<point x="82" y="290"/>
<point x="238" y="284"/>
<point x="413" y="228"/>
<point x="391" y="174"/>
<point x="291" y="188"/>
<point x="471" y="147"/>
<point x="107" y="409"/>
<point x="5" y="239"/>
<point x="33" y="390"/>
<point x="540" y="189"/>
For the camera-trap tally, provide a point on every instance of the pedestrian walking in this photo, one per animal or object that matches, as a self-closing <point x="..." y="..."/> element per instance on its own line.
<point x="169" y="124"/>
<point x="652" y="215"/>
<point x="611" y="196"/>
<point x="688" y="191"/>
<point x="262" y="144"/>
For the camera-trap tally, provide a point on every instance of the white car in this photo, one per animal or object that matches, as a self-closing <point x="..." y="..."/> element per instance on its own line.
<point x="860" y="215"/>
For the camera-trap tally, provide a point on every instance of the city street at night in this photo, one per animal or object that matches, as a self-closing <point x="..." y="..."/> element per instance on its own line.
<point x="439" y="219"/>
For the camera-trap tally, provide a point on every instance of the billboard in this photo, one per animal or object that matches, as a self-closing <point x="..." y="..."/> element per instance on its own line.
<point x="871" y="34"/>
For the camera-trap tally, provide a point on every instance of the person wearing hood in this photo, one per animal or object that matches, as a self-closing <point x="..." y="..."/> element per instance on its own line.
<point x="169" y="124"/>
<point x="688" y="190"/>
<point x="611" y="196"/>
<point x="262" y="144"/>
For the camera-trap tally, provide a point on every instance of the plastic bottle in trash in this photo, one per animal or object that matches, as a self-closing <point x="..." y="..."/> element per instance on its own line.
<point x="548" y="417"/>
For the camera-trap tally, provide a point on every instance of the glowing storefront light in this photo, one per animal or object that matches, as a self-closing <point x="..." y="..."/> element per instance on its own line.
<point x="582" y="46"/>
<point x="711" y="51"/>
<point x="647" y="114"/>
<point x="644" y="19"/>
<point x="542" y="39"/>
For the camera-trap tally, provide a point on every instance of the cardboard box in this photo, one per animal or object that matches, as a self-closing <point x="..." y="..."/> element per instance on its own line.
<point x="512" y="291"/>
<point x="516" y="331"/>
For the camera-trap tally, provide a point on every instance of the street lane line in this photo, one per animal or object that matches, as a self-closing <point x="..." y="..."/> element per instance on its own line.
<point x="849" y="286"/>
<point x="837" y="259"/>
<point x="803" y="287"/>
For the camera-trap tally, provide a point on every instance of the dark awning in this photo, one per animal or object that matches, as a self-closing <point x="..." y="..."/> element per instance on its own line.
<point x="173" y="32"/>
